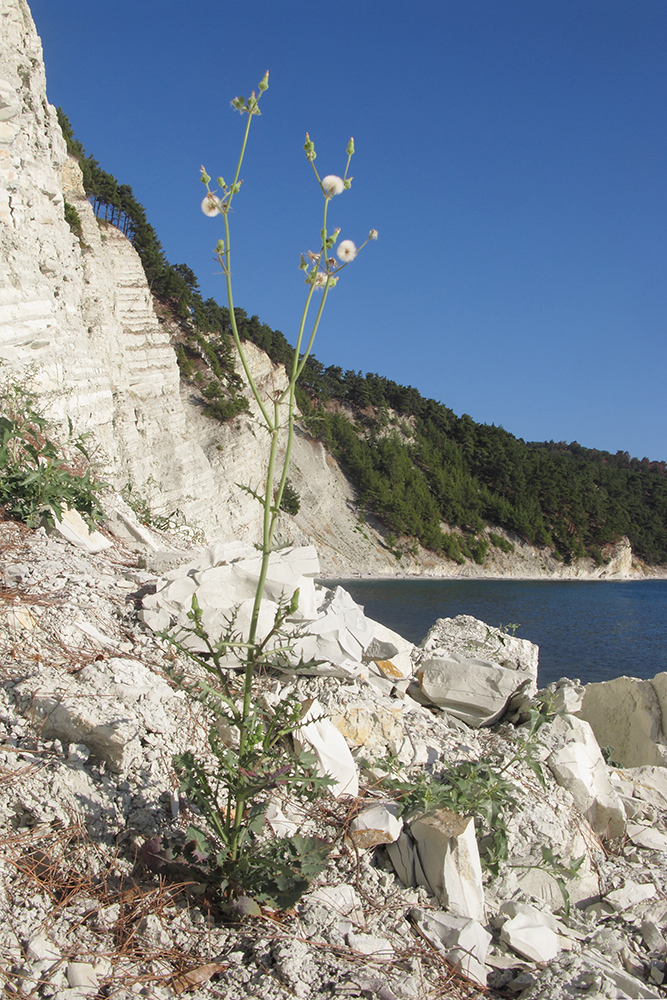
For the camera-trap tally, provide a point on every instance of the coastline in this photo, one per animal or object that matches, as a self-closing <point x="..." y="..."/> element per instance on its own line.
<point x="586" y="632"/>
<point x="500" y="578"/>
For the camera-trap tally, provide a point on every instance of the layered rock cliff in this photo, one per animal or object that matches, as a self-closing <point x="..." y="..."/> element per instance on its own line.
<point x="78" y="313"/>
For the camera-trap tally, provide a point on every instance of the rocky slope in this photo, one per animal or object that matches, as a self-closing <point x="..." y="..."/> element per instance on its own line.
<point x="89" y="721"/>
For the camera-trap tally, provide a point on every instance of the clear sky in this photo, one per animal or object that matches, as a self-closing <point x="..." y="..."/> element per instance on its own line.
<point x="511" y="153"/>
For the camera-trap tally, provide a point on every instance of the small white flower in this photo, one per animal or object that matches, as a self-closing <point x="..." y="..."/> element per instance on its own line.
<point x="319" y="281"/>
<point x="346" y="251"/>
<point x="332" y="185"/>
<point x="210" y="205"/>
<point x="373" y="235"/>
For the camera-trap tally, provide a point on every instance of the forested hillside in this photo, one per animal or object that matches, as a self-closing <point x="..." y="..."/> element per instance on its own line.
<point x="416" y="465"/>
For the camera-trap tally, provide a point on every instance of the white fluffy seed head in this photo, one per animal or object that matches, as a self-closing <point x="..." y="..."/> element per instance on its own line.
<point x="332" y="185"/>
<point x="210" y="205"/>
<point x="346" y="251"/>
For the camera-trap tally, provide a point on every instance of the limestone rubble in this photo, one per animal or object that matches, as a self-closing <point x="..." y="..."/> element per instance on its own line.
<point x="90" y="722"/>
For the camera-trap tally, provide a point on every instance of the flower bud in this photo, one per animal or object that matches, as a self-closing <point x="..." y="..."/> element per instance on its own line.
<point x="204" y="176"/>
<point x="350" y="148"/>
<point x="264" y="82"/>
<point x="220" y="246"/>
<point x="221" y="182"/>
<point x="309" y="148"/>
<point x="347" y="183"/>
<point x="373" y="235"/>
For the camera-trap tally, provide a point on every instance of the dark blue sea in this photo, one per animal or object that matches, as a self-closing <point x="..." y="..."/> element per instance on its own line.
<point x="593" y="630"/>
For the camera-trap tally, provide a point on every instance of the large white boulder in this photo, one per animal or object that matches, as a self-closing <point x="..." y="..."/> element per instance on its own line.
<point x="441" y="854"/>
<point x="627" y="714"/>
<point x="475" y="691"/>
<point x="577" y="764"/>
<point x="471" y="637"/>
<point x="329" y="631"/>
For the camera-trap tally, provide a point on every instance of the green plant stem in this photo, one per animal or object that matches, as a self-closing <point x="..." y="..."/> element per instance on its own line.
<point x="237" y="802"/>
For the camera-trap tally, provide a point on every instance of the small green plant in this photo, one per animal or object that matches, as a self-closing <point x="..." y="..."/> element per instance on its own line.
<point x="252" y="752"/>
<point x="476" y="788"/>
<point x="142" y="500"/>
<point x="558" y="870"/>
<point x="73" y="220"/>
<point x="500" y="634"/>
<point x="254" y="756"/>
<point x="39" y="476"/>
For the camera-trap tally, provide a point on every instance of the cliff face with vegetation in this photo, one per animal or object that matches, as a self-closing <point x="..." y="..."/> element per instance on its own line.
<point x="388" y="482"/>
<point x="75" y="310"/>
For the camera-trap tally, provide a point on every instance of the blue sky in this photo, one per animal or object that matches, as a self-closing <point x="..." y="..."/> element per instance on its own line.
<point x="511" y="153"/>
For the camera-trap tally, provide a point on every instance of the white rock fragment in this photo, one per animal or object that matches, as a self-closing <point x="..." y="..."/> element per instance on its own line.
<point x="629" y="985"/>
<point x="441" y="854"/>
<point x="630" y="894"/>
<point x="577" y="764"/>
<point x="368" y="944"/>
<point x="94" y="633"/>
<point x="278" y="821"/>
<point x="653" y="938"/>
<point x="475" y="691"/>
<point x="465" y="942"/>
<point x="83" y="976"/>
<point x="329" y="746"/>
<point x="343" y="901"/>
<point x="533" y="941"/>
<point x="380" y="824"/>
<point x="564" y="696"/>
<point x="390" y="652"/>
<point x="647" y="837"/>
<point x="627" y="714"/>
<point x="41" y="949"/>
<point x="640" y="787"/>
<point x="73" y="527"/>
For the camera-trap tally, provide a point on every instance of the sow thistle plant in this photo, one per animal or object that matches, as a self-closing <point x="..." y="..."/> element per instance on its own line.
<point x="40" y="477"/>
<point x="251" y="741"/>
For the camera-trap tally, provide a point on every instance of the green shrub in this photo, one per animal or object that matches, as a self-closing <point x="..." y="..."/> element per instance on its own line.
<point x="290" y="501"/>
<point x="40" y="477"/>
<point x="73" y="220"/>
<point x="500" y="542"/>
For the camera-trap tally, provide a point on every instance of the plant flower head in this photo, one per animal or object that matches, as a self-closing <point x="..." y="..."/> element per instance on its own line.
<point x="346" y="251"/>
<point x="211" y="205"/>
<point x="331" y="185"/>
<point x="320" y="280"/>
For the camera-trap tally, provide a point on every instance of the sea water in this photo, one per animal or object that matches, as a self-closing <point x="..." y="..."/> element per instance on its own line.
<point x="593" y="630"/>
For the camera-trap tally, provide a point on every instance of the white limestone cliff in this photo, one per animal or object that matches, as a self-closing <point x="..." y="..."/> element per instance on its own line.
<point x="80" y="315"/>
